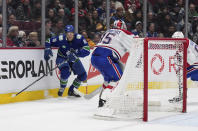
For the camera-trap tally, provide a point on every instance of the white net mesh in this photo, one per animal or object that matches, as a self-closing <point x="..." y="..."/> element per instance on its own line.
<point x="126" y="100"/>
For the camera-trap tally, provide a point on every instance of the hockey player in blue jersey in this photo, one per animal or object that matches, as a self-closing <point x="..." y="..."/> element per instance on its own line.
<point x="71" y="46"/>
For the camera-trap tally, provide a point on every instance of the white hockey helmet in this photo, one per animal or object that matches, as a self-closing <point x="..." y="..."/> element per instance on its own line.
<point x="119" y="24"/>
<point x="178" y="34"/>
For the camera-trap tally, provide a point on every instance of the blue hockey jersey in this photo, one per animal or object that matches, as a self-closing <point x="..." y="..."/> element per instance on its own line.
<point x="78" y="44"/>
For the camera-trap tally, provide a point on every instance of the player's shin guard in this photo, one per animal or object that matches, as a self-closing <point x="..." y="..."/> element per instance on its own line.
<point x="76" y="83"/>
<point x="63" y="84"/>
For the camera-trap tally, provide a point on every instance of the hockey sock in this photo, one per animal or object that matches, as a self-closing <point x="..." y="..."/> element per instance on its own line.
<point x="105" y="84"/>
<point x="63" y="83"/>
<point x="76" y="83"/>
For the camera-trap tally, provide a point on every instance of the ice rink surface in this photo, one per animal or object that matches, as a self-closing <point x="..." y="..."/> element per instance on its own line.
<point x="66" y="114"/>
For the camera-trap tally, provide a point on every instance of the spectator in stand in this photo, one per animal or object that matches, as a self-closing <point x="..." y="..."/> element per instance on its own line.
<point x="151" y="18"/>
<point x="59" y="27"/>
<point x="192" y="12"/>
<point x="119" y="15"/>
<point x="81" y="15"/>
<point x="180" y="3"/>
<point x="57" y="5"/>
<point x="132" y="5"/>
<point x="102" y="11"/>
<point x="22" y="38"/>
<point x="90" y="8"/>
<point x="158" y="6"/>
<point x="24" y="11"/>
<point x="177" y="15"/>
<point x="11" y="20"/>
<point x="118" y="3"/>
<point x="36" y="12"/>
<point x="48" y="28"/>
<point x="1" y="20"/>
<point x="51" y="15"/>
<point x="10" y="6"/>
<point x="128" y="20"/>
<point x="138" y="29"/>
<point x="170" y="31"/>
<point x="137" y="17"/>
<point x="33" y="40"/>
<point x="151" y="30"/>
<point x="161" y="35"/>
<point x="89" y="20"/>
<point x="68" y="3"/>
<point x="61" y="15"/>
<point x="90" y="42"/>
<point x="60" y="5"/>
<point x="12" y="38"/>
<point x="1" y="42"/>
<point x="195" y="36"/>
<point x="165" y="22"/>
<point x="113" y="7"/>
<point x="96" y="24"/>
<point x="96" y="38"/>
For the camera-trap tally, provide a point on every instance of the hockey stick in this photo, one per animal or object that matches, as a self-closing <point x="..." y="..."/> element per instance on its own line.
<point x="94" y="93"/>
<point x="178" y="62"/>
<point x="45" y="74"/>
<point x="88" y="96"/>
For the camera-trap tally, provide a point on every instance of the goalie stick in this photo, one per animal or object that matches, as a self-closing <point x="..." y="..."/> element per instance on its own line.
<point x="178" y="62"/>
<point x="45" y="74"/>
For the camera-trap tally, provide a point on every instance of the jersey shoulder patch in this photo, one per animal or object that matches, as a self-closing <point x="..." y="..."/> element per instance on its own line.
<point x="78" y="36"/>
<point x="54" y="39"/>
<point x="48" y="40"/>
<point x="60" y="37"/>
<point x="84" y="41"/>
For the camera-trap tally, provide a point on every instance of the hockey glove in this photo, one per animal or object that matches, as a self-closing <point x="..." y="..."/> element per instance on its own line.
<point x="47" y="54"/>
<point x="73" y="51"/>
<point x="72" y="57"/>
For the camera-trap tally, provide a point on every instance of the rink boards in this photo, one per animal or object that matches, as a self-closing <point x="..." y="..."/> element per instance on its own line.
<point x="22" y="66"/>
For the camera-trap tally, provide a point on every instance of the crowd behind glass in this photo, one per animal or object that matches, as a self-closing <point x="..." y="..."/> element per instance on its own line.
<point x="164" y="17"/>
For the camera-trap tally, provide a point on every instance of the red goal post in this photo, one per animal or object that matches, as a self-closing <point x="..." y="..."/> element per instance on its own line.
<point x="146" y="48"/>
<point x="153" y="81"/>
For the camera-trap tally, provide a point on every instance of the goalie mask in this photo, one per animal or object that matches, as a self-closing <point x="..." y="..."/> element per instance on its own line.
<point x="119" y="24"/>
<point x="178" y="34"/>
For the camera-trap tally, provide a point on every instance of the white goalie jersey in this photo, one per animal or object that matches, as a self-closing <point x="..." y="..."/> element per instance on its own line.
<point x="192" y="51"/>
<point x="117" y="40"/>
<point x="192" y="56"/>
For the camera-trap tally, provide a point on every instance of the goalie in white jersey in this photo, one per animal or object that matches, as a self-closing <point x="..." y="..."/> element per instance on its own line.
<point x="107" y="54"/>
<point x="192" y="57"/>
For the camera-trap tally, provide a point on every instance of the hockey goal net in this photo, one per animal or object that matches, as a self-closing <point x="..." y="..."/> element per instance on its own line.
<point x="154" y="80"/>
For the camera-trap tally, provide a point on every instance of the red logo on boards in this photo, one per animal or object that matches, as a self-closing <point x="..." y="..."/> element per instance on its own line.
<point x="155" y="58"/>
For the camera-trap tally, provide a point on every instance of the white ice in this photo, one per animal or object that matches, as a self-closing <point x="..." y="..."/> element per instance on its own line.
<point x="68" y="114"/>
